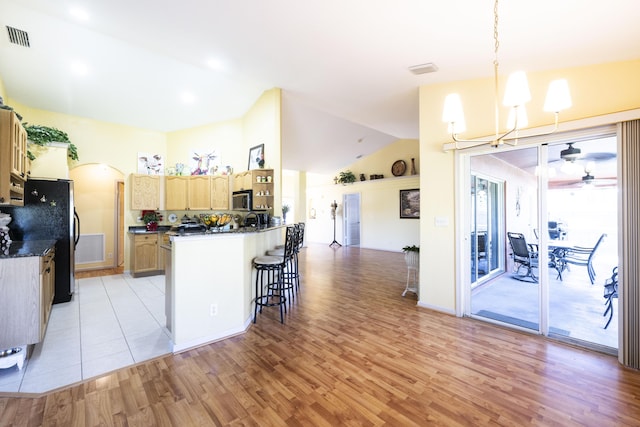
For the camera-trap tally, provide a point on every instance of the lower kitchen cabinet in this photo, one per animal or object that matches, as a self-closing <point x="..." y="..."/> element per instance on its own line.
<point x="26" y="292"/>
<point x="146" y="257"/>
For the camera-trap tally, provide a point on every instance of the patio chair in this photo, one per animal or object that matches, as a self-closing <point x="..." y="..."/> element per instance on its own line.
<point x="582" y="256"/>
<point x="525" y="256"/>
<point x="610" y="292"/>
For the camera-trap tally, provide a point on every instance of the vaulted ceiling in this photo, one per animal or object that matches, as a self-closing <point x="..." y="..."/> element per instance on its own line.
<point x="342" y="64"/>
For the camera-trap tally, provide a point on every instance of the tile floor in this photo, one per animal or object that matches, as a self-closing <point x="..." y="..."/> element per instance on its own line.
<point x="111" y="322"/>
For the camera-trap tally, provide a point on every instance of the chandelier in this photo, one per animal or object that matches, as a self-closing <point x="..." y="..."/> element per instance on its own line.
<point x="516" y="95"/>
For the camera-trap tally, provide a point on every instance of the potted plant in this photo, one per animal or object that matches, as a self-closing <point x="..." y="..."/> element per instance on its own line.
<point x="412" y="259"/>
<point x="346" y="177"/>
<point x="412" y="255"/>
<point x="151" y="219"/>
<point x="285" y="209"/>
<point x="43" y="135"/>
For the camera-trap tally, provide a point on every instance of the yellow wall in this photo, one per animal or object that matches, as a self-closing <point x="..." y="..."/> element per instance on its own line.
<point x="225" y="138"/>
<point x="596" y="90"/>
<point x="262" y="124"/>
<point x="3" y="92"/>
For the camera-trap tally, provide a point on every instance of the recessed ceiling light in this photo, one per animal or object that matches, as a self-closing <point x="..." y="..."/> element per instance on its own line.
<point x="79" y="68"/>
<point x="429" y="67"/>
<point x="216" y="64"/>
<point x="79" y="14"/>
<point x="188" y="98"/>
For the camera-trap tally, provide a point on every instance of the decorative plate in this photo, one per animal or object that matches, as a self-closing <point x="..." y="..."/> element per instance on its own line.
<point x="398" y="168"/>
<point x="173" y="218"/>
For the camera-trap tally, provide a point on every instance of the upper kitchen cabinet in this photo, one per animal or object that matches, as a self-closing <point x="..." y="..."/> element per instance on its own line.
<point x="199" y="192"/>
<point x="248" y="180"/>
<point x="188" y="192"/>
<point x="242" y="181"/>
<point x="220" y="192"/>
<point x="145" y="192"/>
<point x="14" y="163"/>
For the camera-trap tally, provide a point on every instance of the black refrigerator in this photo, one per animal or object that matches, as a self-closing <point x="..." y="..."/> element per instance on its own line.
<point x="49" y="214"/>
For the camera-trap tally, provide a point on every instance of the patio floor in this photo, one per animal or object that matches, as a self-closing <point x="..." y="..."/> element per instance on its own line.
<point x="576" y="306"/>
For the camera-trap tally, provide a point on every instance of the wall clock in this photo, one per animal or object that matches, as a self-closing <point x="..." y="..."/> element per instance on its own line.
<point x="398" y="168"/>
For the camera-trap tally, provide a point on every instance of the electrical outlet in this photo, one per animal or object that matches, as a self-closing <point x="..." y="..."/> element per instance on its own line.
<point x="110" y="255"/>
<point x="213" y="310"/>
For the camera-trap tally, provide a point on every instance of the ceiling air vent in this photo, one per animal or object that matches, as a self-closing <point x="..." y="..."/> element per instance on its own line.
<point x="18" y="37"/>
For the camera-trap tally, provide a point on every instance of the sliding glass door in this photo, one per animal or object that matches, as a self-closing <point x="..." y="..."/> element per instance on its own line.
<point x="505" y="203"/>
<point x="542" y="228"/>
<point x="486" y="202"/>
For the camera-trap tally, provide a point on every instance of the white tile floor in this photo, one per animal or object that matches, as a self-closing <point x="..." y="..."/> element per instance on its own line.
<point x="111" y="322"/>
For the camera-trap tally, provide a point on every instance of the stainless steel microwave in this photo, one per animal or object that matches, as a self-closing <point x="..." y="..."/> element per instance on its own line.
<point x="242" y="200"/>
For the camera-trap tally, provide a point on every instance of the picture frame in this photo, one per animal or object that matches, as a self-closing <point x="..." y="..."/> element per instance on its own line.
<point x="410" y="203"/>
<point x="256" y="155"/>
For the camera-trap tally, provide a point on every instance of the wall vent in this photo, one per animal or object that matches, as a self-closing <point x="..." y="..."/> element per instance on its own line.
<point x="18" y="37"/>
<point x="90" y="249"/>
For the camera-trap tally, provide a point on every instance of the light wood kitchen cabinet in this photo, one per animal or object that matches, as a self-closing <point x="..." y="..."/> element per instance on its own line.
<point x="242" y="181"/>
<point x="26" y="292"/>
<point x="220" y="192"/>
<point x="163" y="239"/>
<point x="188" y="192"/>
<point x="144" y="254"/>
<point x="199" y="192"/>
<point x="261" y="182"/>
<point x="176" y="192"/>
<point x="145" y="192"/>
<point x="47" y="280"/>
<point x="14" y="163"/>
<point x="262" y="186"/>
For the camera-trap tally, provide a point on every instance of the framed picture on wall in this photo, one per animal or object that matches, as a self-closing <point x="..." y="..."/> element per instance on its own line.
<point x="256" y="157"/>
<point x="410" y="203"/>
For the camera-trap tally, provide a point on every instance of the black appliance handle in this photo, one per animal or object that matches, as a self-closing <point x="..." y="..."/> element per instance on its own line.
<point x="76" y="228"/>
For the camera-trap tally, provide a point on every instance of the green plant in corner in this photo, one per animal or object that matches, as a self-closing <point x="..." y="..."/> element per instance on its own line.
<point x="412" y="248"/>
<point x="346" y="177"/>
<point x="43" y="135"/>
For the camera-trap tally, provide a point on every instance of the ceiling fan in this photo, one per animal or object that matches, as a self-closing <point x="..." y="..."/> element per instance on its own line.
<point x="571" y="154"/>
<point x="586" y="181"/>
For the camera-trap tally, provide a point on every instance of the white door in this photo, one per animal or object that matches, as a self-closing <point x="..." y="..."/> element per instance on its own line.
<point x="351" y="215"/>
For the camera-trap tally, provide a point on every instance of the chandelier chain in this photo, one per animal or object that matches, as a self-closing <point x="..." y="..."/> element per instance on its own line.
<point x="495" y="70"/>
<point x="495" y="32"/>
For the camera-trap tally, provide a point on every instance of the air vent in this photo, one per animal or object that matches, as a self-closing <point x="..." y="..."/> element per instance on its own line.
<point x="18" y="37"/>
<point x="424" y="68"/>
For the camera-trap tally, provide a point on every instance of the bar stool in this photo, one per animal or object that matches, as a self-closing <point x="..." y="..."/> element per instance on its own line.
<point x="291" y="275"/>
<point x="270" y="283"/>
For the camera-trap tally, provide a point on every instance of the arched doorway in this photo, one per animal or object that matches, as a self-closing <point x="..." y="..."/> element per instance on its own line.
<point x="99" y="203"/>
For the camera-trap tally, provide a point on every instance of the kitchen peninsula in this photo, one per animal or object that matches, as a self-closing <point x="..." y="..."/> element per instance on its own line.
<point x="210" y="283"/>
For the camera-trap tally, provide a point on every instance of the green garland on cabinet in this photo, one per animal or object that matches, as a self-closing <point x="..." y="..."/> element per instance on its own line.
<point x="43" y="135"/>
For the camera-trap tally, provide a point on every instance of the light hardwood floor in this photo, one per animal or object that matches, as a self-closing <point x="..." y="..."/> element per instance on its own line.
<point x="352" y="351"/>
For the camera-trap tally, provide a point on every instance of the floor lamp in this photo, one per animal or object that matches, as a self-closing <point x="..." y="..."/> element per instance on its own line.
<point x="334" y="207"/>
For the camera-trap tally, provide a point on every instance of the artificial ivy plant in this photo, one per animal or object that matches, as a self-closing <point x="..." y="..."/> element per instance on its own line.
<point x="43" y="135"/>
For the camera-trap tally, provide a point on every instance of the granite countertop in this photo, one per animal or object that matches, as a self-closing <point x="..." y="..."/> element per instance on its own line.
<point x="26" y="248"/>
<point x="142" y="229"/>
<point x="226" y="231"/>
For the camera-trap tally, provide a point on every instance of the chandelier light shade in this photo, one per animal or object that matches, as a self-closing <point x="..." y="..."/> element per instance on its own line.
<point x="558" y="96"/>
<point x="453" y="113"/>
<point x="517" y="91"/>
<point x="516" y="95"/>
